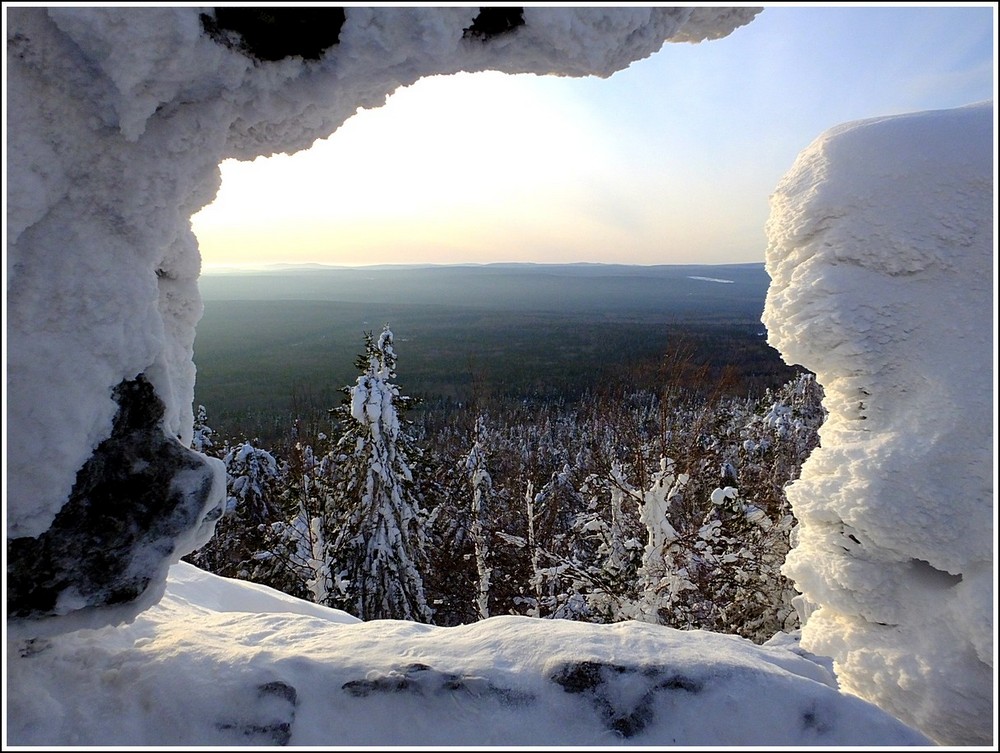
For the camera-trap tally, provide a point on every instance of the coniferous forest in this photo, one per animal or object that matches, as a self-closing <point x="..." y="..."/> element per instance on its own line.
<point x="661" y="504"/>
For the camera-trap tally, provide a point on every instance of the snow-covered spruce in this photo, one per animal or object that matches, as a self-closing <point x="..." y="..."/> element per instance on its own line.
<point x="573" y="549"/>
<point x="481" y="486"/>
<point x="253" y="481"/>
<point x="373" y="518"/>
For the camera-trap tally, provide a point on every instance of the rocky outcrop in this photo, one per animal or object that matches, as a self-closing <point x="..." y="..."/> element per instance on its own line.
<point x="140" y="494"/>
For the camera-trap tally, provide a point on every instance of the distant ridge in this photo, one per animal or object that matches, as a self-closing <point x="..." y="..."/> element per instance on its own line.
<point x="605" y="289"/>
<point x="289" y="267"/>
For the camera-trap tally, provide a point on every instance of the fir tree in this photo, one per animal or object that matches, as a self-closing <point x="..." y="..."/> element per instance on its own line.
<point x="482" y="487"/>
<point x="201" y="439"/>
<point x="374" y="513"/>
<point x="253" y="483"/>
<point x="295" y="558"/>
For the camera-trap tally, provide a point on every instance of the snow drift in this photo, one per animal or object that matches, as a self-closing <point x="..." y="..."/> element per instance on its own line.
<point x="226" y="663"/>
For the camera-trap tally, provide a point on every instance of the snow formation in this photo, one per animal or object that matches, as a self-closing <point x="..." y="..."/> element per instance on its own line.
<point x="880" y="252"/>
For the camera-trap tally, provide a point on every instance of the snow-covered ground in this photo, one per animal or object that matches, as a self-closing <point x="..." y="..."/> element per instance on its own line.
<point x="222" y="662"/>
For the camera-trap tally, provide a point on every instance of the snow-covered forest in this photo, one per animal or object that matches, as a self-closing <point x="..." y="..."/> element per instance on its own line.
<point x="666" y="507"/>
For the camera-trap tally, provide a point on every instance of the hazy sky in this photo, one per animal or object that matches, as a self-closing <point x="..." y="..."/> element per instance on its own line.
<point x="669" y="161"/>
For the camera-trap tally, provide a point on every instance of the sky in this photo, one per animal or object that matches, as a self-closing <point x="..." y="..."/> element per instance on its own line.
<point x="669" y="161"/>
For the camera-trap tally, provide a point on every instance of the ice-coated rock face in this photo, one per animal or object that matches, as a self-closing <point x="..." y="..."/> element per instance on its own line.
<point x="137" y="499"/>
<point x="880" y="251"/>
<point x="117" y="120"/>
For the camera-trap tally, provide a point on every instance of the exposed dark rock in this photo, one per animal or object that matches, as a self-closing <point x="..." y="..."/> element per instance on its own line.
<point x="271" y="34"/>
<point x="585" y="675"/>
<point x="679" y="682"/>
<point x="628" y="722"/>
<point x="816" y="720"/>
<point x="390" y="683"/>
<point x="121" y="521"/>
<point x="421" y="679"/>
<point x="33" y="646"/>
<point x="278" y="689"/>
<point x="268" y="715"/>
<point x="624" y="697"/>
<point x="492" y="22"/>
<point x="417" y="667"/>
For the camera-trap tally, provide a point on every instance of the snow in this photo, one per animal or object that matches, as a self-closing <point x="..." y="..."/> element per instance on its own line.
<point x="880" y="251"/>
<point x="117" y="120"/>
<point x="710" y="279"/>
<point x="880" y="248"/>
<point x="220" y="662"/>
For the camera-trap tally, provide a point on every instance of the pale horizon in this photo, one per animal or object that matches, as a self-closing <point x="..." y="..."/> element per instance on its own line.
<point x="276" y="266"/>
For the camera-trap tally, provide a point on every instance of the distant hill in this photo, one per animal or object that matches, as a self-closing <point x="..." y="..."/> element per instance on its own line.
<point x="594" y="288"/>
<point x="278" y="342"/>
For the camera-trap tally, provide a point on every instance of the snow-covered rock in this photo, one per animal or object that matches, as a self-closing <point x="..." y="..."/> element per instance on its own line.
<point x="881" y="253"/>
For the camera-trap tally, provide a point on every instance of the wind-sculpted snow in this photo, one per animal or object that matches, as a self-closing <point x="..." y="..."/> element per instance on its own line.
<point x="225" y="663"/>
<point x="118" y="118"/>
<point x="881" y="251"/>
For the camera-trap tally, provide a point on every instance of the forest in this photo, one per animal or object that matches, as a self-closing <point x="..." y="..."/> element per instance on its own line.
<point x="655" y="494"/>
<point x="277" y="345"/>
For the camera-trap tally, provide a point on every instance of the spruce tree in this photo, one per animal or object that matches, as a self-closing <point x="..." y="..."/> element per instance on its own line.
<point x="377" y="524"/>
<point x="294" y="559"/>
<point x="201" y="438"/>
<point x="481" y="486"/>
<point x="253" y="483"/>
